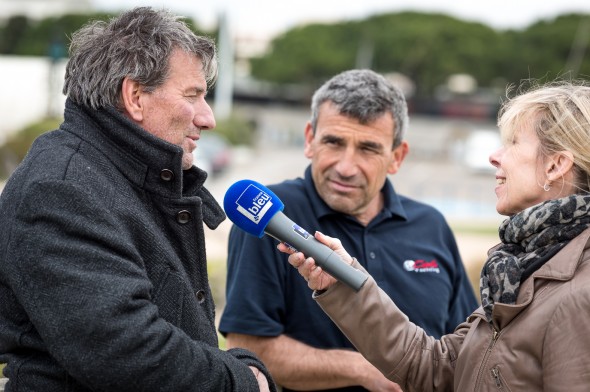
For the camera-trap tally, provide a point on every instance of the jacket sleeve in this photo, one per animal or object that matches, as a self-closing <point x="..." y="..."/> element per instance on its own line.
<point x="89" y="302"/>
<point x="401" y="350"/>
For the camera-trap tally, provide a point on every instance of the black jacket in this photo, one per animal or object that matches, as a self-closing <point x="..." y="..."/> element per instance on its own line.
<point x="103" y="275"/>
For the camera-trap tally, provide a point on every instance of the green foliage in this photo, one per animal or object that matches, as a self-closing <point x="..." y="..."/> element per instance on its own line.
<point x="11" y="35"/>
<point x="308" y="54"/>
<point x="428" y="48"/>
<point x="217" y="275"/>
<point x="236" y="130"/>
<point x="50" y="36"/>
<point x="544" y="48"/>
<point x="47" y="37"/>
<point x="16" y="147"/>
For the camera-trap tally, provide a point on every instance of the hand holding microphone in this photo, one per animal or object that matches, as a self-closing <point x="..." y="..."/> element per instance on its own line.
<point x="257" y="210"/>
<point x="317" y="278"/>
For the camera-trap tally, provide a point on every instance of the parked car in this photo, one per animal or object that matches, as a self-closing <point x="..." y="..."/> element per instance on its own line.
<point x="213" y="153"/>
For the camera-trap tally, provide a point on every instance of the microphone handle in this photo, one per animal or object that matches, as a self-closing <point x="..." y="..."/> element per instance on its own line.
<point x="284" y="229"/>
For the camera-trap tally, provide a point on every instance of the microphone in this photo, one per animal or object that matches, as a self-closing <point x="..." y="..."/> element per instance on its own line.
<point x="257" y="210"/>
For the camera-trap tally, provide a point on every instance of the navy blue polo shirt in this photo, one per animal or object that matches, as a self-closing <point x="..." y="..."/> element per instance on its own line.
<point x="408" y="248"/>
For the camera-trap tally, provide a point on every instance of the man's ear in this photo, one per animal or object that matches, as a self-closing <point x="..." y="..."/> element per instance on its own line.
<point x="309" y="134"/>
<point x="131" y="96"/>
<point x="398" y="155"/>
<point x="559" y="165"/>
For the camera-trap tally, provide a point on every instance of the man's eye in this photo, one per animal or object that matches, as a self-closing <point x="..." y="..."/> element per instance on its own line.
<point x="330" y="141"/>
<point x="371" y="150"/>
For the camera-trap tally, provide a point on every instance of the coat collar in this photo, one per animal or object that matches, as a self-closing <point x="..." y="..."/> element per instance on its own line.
<point x="560" y="267"/>
<point x="564" y="264"/>
<point x="146" y="161"/>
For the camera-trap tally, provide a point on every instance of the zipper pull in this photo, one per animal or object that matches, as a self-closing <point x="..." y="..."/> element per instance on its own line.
<point x="495" y="334"/>
<point x="496" y="375"/>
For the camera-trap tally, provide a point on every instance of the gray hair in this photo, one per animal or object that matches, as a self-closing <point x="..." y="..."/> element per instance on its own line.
<point x="363" y="95"/>
<point x="137" y="44"/>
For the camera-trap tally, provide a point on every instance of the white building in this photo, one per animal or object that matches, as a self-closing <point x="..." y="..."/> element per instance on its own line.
<point x="31" y="90"/>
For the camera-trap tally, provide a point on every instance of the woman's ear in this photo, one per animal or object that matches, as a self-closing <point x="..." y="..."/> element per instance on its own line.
<point x="559" y="165"/>
<point x="131" y="97"/>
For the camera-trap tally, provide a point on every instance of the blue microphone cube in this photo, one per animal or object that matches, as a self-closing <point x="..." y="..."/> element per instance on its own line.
<point x="251" y="205"/>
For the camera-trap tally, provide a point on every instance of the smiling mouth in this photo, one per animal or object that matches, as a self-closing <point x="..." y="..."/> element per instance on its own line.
<point x="342" y="187"/>
<point x="192" y="143"/>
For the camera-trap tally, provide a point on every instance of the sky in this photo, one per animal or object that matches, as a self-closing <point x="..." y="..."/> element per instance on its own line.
<point x="265" y="18"/>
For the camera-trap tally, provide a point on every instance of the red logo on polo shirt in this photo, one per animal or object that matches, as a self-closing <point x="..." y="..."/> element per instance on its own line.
<point x="421" y="266"/>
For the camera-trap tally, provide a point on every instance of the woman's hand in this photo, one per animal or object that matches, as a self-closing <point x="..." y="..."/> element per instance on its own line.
<point x="315" y="276"/>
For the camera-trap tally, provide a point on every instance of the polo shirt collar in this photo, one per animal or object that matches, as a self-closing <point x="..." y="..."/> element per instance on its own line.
<point x="392" y="209"/>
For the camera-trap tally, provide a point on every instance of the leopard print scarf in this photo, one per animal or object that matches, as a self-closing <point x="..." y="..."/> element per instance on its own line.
<point x="530" y="238"/>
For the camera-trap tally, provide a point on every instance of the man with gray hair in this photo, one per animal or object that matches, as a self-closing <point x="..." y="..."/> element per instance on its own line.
<point x="103" y="272"/>
<point x="355" y="140"/>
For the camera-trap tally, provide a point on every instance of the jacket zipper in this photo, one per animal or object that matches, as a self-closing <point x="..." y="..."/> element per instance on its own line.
<point x="496" y="375"/>
<point x="495" y="335"/>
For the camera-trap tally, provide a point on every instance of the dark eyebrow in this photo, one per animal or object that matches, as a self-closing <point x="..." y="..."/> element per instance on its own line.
<point x="371" y="145"/>
<point x="363" y="144"/>
<point x="331" y="138"/>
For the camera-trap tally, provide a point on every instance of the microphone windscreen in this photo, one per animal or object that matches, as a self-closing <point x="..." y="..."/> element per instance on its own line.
<point x="250" y="206"/>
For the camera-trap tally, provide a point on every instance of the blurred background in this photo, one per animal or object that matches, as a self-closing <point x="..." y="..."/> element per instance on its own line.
<point x="453" y="60"/>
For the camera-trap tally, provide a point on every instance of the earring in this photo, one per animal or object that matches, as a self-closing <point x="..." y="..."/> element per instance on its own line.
<point x="546" y="187"/>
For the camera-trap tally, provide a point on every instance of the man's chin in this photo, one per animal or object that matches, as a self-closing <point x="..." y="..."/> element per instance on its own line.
<point x="187" y="161"/>
<point x="339" y="204"/>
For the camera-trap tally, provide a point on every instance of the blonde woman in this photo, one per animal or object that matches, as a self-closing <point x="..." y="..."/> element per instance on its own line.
<point x="530" y="333"/>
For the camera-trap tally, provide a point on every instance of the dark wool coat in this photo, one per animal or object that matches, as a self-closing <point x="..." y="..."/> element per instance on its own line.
<point x="103" y="275"/>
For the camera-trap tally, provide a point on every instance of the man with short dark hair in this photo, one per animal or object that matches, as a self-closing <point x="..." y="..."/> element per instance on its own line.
<point x="355" y="139"/>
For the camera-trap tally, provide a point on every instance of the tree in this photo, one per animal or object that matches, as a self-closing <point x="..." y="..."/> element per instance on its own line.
<point x="542" y="50"/>
<point x="308" y="54"/>
<point x="49" y="36"/>
<point x="426" y="47"/>
<point x="11" y="34"/>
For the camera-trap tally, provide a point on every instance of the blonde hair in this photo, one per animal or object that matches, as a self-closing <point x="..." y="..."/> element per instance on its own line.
<point x="559" y="112"/>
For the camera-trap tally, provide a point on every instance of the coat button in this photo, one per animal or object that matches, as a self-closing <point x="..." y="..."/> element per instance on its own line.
<point x="167" y="175"/>
<point x="183" y="217"/>
<point x="200" y="296"/>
